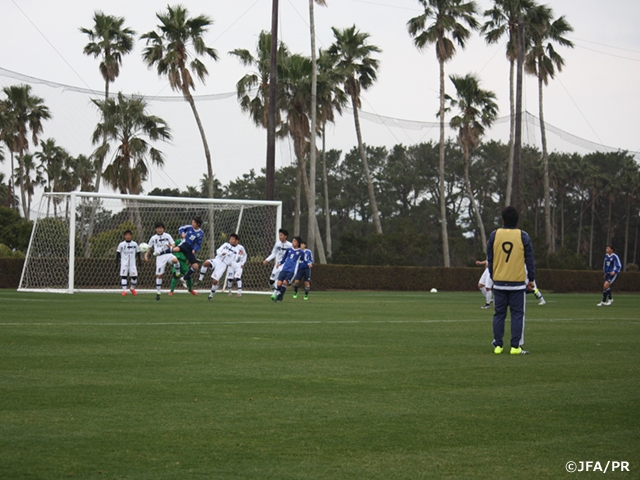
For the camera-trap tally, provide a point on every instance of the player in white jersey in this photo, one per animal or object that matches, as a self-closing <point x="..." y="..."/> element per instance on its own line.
<point x="276" y="254"/>
<point x="234" y="272"/>
<point x="225" y="256"/>
<point x="126" y="254"/>
<point x="485" y="284"/>
<point x="161" y="244"/>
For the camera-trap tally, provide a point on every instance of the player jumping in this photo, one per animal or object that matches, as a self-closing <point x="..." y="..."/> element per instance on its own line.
<point x="225" y="256"/>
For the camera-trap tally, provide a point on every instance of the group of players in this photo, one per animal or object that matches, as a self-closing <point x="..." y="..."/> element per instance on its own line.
<point x="293" y="261"/>
<point x="611" y="267"/>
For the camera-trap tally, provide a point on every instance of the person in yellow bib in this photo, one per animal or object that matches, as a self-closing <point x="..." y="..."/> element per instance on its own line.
<point x="509" y="250"/>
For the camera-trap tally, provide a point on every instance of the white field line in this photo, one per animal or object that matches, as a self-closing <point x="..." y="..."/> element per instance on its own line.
<point x="301" y="322"/>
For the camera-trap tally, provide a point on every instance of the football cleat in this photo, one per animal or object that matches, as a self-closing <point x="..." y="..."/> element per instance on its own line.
<point x="171" y="294"/>
<point x="229" y="294"/>
<point x="542" y="302"/>
<point x="601" y="304"/>
<point x="239" y="295"/>
<point x="609" y="302"/>
<point x="306" y="297"/>
<point x="486" y="305"/>
<point x="273" y="296"/>
<point x="210" y="297"/>
<point x="157" y="296"/>
<point x="124" y="294"/>
<point x="193" y="292"/>
<point x="498" y="350"/>
<point x="518" y="351"/>
<point x="133" y="292"/>
<point x="295" y="295"/>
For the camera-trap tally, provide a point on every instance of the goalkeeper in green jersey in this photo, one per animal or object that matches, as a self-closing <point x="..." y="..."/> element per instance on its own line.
<point x="184" y="268"/>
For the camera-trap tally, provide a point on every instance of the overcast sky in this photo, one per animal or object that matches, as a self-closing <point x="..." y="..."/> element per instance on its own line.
<point x="595" y="97"/>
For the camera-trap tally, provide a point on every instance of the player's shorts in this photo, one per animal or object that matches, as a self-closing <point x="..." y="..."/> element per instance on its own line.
<point x="161" y="262"/>
<point x="235" y="271"/>
<point x="219" y="268"/>
<point x="187" y="251"/>
<point x="286" y="276"/>
<point x="128" y="271"/>
<point x="485" y="279"/>
<point x="611" y="278"/>
<point x="304" y="273"/>
<point x="275" y="273"/>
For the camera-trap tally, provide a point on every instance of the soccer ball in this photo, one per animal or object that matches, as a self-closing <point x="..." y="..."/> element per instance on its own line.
<point x="143" y="247"/>
<point x="434" y="290"/>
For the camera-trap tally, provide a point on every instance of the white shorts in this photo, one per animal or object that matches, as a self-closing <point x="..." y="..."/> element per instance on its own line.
<point x="275" y="272"/>
<point x="218" y="268"/>
<point x="235" y="271"/>
<point x="128" y="271"/>
<point x="485" y="279"/>
<point x="161" y="262"/>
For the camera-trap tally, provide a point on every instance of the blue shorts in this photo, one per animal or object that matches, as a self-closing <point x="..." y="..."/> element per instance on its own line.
<point x="285" y="276"/>
<point x="304" y="273"/>
<point x="611" y="278"/>
<point x="187" y="251"/>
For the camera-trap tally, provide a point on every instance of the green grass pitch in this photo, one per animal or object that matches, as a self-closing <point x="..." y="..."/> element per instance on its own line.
<point x="346" y="385"/>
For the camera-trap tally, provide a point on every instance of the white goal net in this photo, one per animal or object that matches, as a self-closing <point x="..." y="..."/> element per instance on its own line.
<point x="75" y="236"/>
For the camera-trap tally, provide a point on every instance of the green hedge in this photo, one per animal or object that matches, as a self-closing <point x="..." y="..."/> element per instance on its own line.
<point x="357" y="277"/>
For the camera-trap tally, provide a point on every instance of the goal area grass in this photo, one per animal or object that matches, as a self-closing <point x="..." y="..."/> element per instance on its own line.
<point x="345" y="385"/>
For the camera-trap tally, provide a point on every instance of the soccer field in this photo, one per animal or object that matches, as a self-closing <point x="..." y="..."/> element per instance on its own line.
<point x="345" y="385"/>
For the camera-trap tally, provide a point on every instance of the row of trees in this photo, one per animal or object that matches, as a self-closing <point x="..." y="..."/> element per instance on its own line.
<point x="307" y="89"/>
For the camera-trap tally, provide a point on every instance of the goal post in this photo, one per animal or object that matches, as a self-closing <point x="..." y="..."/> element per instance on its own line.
<point x="63" y="258"/>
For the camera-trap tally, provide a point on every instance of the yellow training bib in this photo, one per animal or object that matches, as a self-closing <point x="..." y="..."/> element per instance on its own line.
<point x="508" y="256"/>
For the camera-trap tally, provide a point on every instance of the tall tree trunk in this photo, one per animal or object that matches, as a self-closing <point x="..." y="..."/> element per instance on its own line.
<point x="635" y="246"/>
<point x="270" y="191"/>
<point x="512" y="127"/>
<point x="365" y="164"/>
<point x="545" y="167"/>
<point x="609" y="222"/>
<point x="12" y="183"/>
<point x="443" y="198"/>
<point x="579" y="229"/>
<point x="207" y="154"/>
<point x="325" y="183"/>
<point x="96" y="189"/>
<point x="23" y="196"/>
<point x="562" y="221"/>
<point x="476" y="209"/>
<point x="312" y="220"/>
<point x="296" y="213"/>
<point x="317" y="246"/>
<point x="593" y="215"/>
<point x="626" y="236"/>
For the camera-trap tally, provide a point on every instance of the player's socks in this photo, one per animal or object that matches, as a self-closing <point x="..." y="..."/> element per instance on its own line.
<point x="123" y="282"/>
<point x="174" y="283"/>
<point x="282" y="290"/>
<point x="189" y="273"/>
<point x="158" y="284"/>
<point x="487" y="295"/>
<point x="213" y="291"/>
<point x="295" y="289"/>
<point x="537" y="293"/>
<point x="306" y="293"/>
<point x="190" y="284"/>
<point x="239" y="284"/>
<point x="203" y="270"/>
<point x="605" y="294"/>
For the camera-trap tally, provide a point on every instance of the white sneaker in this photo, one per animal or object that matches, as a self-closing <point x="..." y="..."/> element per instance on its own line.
<point x="229" y="294"/>
<point x="609" y="302"/>
<point x="542" y="302"/>
<point x="601" y="304"/>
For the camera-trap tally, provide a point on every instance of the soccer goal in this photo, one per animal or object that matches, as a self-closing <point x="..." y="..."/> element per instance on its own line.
<point x="75" y="235"/>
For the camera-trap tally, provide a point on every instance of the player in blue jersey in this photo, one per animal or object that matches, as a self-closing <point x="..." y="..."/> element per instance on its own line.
<point x="304" y="271"/>
<point x="192" y="238"/>
<point x="289" y="263"/>
<point x="611" y="268"/>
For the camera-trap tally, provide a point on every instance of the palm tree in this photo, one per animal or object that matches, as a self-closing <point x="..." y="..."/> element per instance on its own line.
<point x="502" y="20"/>
<point x="446" y="17"/>
<point x="311" y="225"/>
<point x="477" y="110"/>
<point x="296" y="91"/>
<point x="352" y="57"/>
<point x="31" y="177"/>
<point x="257" y="82"/>
<point x="51" y="158"/>
<point x="542" y="60"/>
<point x="169" y="50"/>
<point x="331" y="98"/>
<point x="127" y="123"/>
<point x="109" y="41"/>
<point x="26" y="113"/>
